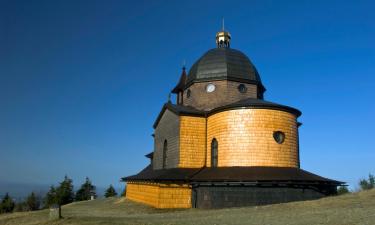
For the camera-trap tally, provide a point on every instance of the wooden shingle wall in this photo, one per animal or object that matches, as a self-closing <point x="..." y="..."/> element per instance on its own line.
<point x="160" y="195"/>
<point x="245" y="138"/>
<point x="192" y="141"/>
<point x="226" y="92"/>
<point x="167" y="129"/>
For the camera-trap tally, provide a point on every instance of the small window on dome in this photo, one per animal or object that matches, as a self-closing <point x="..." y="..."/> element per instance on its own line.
<point x="242" y="88"/>
<point x="279" y="136"/>
<point x="188" y="93"/>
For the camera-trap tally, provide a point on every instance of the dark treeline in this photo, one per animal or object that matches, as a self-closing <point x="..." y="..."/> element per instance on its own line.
<point x="62" y="194"/>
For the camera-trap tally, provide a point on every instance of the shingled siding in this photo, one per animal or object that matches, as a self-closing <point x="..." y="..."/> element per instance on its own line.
<point x="226" y="92"/>
<point x="237" y="196"/>
<point x="245" y="138"/>
<point x="160" y="195"/>
<point x="167" y="129"/>
<point x="192" y="142"/>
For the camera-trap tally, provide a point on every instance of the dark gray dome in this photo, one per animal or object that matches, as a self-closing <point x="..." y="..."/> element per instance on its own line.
<point x="224" y="64"/>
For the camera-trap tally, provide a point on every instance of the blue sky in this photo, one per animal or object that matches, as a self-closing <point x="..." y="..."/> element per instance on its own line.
<point x="81" y="82"/>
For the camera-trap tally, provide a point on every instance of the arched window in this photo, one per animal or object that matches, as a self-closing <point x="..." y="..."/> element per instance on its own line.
<point x="214" y="152"/>
<point x="165" y="149"/>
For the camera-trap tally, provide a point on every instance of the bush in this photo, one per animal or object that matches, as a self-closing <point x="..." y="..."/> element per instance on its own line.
<point x="21" y="207"/>
<point x="32" y="202"/>
<point x="367" y="184"/>
<point x="7" y="204"/>
<point x="342" y="190"/>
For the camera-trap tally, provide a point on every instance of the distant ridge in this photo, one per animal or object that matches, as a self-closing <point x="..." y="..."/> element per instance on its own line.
<point x="19" y="191"/>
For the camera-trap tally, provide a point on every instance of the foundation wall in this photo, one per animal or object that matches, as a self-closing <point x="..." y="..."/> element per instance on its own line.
<point x="238" y="196"/>
<point x="245" y="138"/>
<point x="160" y="195"/>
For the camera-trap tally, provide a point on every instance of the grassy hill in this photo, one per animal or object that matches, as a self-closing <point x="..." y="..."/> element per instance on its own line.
<point x="357" y="208"/>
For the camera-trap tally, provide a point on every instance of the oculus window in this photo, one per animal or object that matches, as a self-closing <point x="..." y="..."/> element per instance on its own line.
<point x="210" y="88"/>
<point x="279" y="136"/>
<point x="242" y="88"/>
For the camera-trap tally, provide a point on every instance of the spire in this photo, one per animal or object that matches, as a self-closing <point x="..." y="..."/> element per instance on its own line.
<point x="181" y="83"/>
<point x="223" y="26"/>
<point x="184" y="65"/>
<point x="223" y="37"/>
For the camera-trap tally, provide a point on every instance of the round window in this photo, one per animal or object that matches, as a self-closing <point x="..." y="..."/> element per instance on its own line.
<point x="279" y="136"/>
<point x="188" y="93"/>
<point x="210" y="88"/>
<point x="242" y="88"/>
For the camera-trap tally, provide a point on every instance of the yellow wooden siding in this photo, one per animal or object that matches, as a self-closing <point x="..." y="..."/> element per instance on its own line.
<point x="245" y="138"/>
<point x="160" y="195"/>
<point x="192" y="142"/>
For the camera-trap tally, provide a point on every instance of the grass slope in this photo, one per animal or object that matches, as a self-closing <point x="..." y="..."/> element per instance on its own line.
<point x="357" y="208"/>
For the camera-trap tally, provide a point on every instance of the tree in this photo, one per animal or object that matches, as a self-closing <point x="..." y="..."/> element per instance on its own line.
<point x="7" y="204"/>
<point x="32" y="202"/>
<point x="110" y="192"/>
<point x="371" y="180"/>
<point x="51" y="197"/>
<point x="86" y="191"/>
<point x="64" y="193"/>
<point x="342" y="190"/>
<point x="367" y="184"/>
<point x="21" y="207"/>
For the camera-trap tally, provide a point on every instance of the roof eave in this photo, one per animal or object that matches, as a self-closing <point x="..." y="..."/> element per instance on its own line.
<point x="294" y="111"/>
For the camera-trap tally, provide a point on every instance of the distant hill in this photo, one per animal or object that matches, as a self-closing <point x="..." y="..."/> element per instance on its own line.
<point x="19" y="191"/>
<point x="356" y="208"/>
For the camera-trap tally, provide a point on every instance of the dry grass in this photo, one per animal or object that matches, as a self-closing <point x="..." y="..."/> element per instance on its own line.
<point x="350" y="209"/>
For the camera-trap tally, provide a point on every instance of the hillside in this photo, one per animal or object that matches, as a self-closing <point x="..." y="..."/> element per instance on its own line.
<point x="357" y="208"/>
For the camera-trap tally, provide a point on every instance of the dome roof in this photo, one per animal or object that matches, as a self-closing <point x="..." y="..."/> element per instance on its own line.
<point x="223" y="64"/>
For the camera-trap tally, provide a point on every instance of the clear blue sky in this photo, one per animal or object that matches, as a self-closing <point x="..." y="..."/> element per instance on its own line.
<point x="81" y="82"/>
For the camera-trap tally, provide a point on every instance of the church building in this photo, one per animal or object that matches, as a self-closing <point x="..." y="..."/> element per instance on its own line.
<point x="222" y="145"/>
